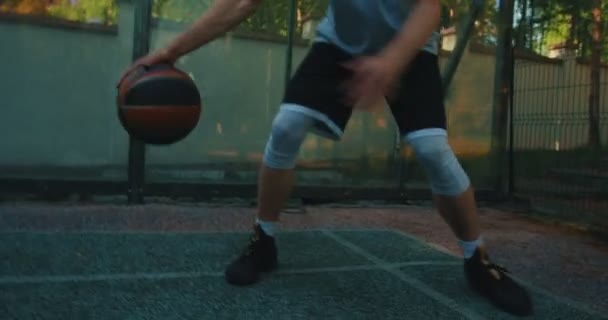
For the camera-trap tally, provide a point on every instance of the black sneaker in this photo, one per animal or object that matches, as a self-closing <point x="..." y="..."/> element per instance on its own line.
<point x="491" y="281"/>
<point x="258" y="257"/>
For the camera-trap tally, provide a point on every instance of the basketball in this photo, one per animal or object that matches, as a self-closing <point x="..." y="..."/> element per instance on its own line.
<point x="158" y="104"/>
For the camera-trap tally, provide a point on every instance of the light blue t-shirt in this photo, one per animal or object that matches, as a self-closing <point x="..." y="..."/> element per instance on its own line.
<point x="366" y="26"/>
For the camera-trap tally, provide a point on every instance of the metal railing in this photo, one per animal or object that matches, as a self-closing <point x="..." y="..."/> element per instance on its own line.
<point x="557" y="163"/>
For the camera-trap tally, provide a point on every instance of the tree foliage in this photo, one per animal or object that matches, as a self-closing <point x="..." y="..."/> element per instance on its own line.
<point x="485" y="26"/>
<point x="98" y="11"/>
<point x="272" y="18"/>
<point x="23" y="6"/>
<point x="539" y="24"/>
<point x="544" y="24"/>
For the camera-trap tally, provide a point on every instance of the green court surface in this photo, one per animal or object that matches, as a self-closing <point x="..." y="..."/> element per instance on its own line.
<point x="324" y="274"/>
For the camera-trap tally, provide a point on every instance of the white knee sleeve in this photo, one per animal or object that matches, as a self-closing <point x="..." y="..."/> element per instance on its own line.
<point x="435" y="155"/>
<point x="289" y="130"/>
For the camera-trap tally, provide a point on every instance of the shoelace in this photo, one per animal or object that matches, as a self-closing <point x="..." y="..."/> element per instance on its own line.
<point x="252" y="242"/>
<point x="497" y="267"/>
<point x="497" y="271"/>
<point x="490" y="266"/>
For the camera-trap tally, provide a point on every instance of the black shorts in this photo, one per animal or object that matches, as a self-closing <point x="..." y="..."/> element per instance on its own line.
<point x="316" y="89"/>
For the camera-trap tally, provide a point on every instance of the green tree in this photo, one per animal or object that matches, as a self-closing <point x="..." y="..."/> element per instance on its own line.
<point x="542" y="24"/>
<point x="37" y="7"/>
<point x="179" y="10"/>
<point x="98" y="11"/>
<point x="272" y="18"/>
<point x="576" y="25"/>
<point x="485" y="30"/>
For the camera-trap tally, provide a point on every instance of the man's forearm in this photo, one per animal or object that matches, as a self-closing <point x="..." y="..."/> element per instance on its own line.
<point x="415" y="33"/>
<point x="220" y="18"/>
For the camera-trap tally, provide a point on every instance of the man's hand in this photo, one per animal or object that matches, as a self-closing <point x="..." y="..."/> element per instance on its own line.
<point x="222" y="16"/>
<point x="373" y="78"/>
<point x="157" y="57"/>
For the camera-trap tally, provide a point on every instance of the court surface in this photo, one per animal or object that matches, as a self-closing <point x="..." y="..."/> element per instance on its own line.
<point x="324" y="274"/>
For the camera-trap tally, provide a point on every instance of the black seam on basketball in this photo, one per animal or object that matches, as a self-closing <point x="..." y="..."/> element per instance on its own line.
<point x="128" y="106"/>
<point x="163" y="91"/>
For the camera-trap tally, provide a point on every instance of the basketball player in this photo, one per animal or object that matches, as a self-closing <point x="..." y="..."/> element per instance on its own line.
<point x="364" y="50"/>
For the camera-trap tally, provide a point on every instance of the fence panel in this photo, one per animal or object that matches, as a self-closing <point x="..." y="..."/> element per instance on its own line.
<point x="554" y="165"/>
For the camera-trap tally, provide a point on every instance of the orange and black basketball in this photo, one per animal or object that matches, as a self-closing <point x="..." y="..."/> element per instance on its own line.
<point x="158" y="104"/>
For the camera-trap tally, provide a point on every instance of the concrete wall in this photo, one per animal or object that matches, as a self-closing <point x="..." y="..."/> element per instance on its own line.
<point x="58" y="93"/>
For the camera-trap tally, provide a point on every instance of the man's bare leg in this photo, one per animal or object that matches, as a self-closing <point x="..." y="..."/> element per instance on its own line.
<point x="460" y="213"/>
<point x="274" y="189"/>
<point x="455" y="201"/>
<point x="275" y="183"/>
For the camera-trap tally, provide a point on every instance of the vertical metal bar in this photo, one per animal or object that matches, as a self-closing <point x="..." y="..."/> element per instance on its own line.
<point x="401" y="173"/>
<point x="293" y="4"/>
<point x="501" y="93"/>
<point x="511" y="173"/>
<point x="137" y="149"/>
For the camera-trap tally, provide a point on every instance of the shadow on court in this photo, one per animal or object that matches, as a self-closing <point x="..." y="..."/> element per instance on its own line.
<point x="346" y="274"/>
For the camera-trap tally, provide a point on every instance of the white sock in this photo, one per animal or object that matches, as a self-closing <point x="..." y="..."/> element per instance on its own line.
<point x="469" y="247"/>
<point x="269" y="227"/>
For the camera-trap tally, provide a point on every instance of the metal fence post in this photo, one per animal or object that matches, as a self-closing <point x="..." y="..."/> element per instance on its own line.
<point x="511" y="148"/>
<point x="290" y="38"/>
<point x="137" y="149"/>
<point x="502" y="94"/>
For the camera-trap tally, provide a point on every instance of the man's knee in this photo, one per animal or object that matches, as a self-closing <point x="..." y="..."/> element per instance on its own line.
<point x="289" y="130"/>
<point x="445" y="173"/>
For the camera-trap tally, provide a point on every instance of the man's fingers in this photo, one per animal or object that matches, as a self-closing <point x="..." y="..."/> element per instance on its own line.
<point x="359" y="91"/>
<point x="127" y="74"/>
<point x="351" y="64"/>
<point x="363" y="84"/>
<point x="123" y="76"/>
<point x="132" y="69"/>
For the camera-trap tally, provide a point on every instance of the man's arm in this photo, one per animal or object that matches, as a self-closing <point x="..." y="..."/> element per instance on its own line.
<point x="424" y="19"/>
<point x="221" y="17"/>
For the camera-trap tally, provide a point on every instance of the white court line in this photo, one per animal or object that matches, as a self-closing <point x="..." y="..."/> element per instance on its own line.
<point x="371" y="267"/>
<point x="414" y="283"/>
<point x="174" y="232"/>
<point x="16" y="280"/>
<point x="563" y="300"/>
<point x="189" y="232"/>
<point x="120" y="232"/>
